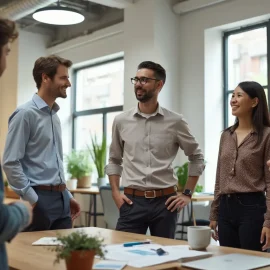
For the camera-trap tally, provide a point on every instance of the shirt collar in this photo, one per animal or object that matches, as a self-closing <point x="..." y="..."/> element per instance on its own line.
<point x="41" y="104"/>
<point x="232" y="130"/>
<point x="158" y="111"/>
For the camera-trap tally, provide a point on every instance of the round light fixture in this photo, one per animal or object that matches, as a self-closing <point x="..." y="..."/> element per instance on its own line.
<point x="58" y="15"/>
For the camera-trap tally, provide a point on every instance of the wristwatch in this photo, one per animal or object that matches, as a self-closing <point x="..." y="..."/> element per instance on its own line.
<point x="187" y="192"/>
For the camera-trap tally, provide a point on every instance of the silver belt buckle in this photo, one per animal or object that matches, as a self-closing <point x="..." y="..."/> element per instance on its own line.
<point x="150" y="197"/>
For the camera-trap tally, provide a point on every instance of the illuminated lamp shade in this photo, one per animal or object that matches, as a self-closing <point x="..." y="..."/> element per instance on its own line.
<point x="58" y="15"/>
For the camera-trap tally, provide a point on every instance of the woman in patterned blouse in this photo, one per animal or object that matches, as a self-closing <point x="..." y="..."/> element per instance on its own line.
<point x="240" y="212"/>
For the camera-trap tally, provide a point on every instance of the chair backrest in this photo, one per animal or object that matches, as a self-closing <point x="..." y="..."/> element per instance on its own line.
<point x="110" y="210"/>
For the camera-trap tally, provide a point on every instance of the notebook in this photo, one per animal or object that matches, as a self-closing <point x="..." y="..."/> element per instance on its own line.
<point x="230" y="261"/>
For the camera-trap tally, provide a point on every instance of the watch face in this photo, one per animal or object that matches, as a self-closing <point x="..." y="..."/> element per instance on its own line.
<point x="187" y="192"/>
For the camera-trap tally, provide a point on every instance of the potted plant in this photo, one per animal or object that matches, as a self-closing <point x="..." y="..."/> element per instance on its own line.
<point x="78" y="249"/>
<point x="79" y="167"/>
<point x="182" y="176"/>
<point x="98" y="154"/>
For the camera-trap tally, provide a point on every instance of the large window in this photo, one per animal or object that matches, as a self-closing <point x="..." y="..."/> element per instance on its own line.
<point x="98" y="98"/>
<point x="245" y="58"/>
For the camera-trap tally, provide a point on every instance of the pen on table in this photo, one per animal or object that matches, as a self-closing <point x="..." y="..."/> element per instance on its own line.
<point x="130" y="244"/>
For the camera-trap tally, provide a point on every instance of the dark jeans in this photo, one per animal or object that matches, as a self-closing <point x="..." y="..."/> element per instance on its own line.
<point x="52" y="211"/>
<point x="144" y="213"/>
<point x="240" y="220"/>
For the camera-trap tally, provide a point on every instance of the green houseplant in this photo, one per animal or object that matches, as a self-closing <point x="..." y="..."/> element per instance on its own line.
<point x="98" y="153"/>
<point x="79" y="167"/>
<point x="78" y="249"/>
<point x="182" y="176"/>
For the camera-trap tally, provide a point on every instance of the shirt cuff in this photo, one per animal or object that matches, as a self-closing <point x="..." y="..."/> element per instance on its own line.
<point x="30" y="196"/>
<point x="113" y="169"/>
<point x="196" y="169"/>
<point x="24" y="213"/>
<point x="69" y="194"/>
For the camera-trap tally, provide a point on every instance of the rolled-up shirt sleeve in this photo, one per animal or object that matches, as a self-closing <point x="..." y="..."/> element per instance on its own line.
<point x="116" y="152"/>
<point x="16" y="143"/>
<point x="191" y="148"/>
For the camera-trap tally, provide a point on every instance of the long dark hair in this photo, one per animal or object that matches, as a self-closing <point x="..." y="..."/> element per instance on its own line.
<point x="260" y="114"/>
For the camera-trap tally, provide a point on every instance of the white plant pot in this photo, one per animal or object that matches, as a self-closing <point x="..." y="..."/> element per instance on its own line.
<point x="101" y="181"/>
<point x="72" y="184"/>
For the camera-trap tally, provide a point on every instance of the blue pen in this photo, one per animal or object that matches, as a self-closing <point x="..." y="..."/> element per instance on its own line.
<point x="130" y="244"/>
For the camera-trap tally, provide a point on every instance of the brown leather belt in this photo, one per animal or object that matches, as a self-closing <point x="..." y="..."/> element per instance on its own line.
<point x="59" y="188"/>
<point x="150" y="193"/>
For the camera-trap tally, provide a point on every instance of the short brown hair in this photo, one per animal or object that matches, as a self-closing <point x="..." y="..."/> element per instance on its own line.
<point x="48" y="65"/>
<point x="8" y="32"/>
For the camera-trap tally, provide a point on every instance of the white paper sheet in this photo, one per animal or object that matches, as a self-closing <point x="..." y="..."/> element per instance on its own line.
<point x="145" y="255"/>
<point x="109" y="265"/>
<point x="47" y="241"/>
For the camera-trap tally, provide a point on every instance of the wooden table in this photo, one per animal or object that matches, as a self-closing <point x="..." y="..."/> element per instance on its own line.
<point x="92" y="192"/>
<point x="202" y="198"/>
<point x="23" y="256"/>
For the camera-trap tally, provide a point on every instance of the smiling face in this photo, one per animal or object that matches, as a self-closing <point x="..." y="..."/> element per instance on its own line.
<point x="241" y="103"/>
<point x="58" y="85"/>
<point x="147" y="86"/>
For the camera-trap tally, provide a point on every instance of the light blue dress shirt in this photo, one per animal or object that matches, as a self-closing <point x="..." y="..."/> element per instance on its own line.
<point x="33" y="152"/>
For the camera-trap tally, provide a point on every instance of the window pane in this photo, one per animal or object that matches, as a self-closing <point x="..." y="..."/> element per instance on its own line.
<point x="85" y="126"/>
<point x="100" y="86"/>
<point x="110" y="118"/>
<point x="247" y="57"/>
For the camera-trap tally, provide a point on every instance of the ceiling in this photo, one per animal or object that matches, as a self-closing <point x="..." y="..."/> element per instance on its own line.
<point x="96" y="17"/>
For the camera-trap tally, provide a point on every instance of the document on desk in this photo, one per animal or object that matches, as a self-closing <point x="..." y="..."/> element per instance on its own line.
<point x="146" y="255"/>
<point x="109" y="265"/>
<point x="47" y="241"/>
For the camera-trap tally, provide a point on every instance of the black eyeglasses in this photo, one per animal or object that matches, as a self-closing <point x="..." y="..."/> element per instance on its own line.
<point x="142" y="80"/>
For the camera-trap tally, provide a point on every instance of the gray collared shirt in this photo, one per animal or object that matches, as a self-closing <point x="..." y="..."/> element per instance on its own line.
<point x="33" y="152"/>
<point x="144" y="147"/>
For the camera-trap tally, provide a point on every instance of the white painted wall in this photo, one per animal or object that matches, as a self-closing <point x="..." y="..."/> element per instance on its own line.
<point x="8" y="93"/>
<point x="31" y="47"/>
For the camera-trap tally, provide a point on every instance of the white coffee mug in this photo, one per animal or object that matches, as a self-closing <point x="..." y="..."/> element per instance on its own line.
<point x="199" y="237"/>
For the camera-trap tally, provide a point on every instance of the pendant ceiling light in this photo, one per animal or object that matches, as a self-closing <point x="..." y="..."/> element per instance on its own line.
<point x="58" y="15"/>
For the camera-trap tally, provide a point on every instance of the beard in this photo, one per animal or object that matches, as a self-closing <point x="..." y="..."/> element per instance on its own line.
<point x="62" y="92"/>
<point x="144" y="95"/>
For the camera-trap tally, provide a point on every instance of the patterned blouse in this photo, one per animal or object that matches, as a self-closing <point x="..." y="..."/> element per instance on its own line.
<point x="243" y="169"/>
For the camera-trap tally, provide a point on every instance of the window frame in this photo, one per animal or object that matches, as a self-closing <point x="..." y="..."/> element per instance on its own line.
<point x="226" y="90"/>
<point x="103" y="111"/>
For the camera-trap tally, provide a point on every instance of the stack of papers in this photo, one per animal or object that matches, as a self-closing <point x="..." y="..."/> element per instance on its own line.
<point x="146" y="255"/>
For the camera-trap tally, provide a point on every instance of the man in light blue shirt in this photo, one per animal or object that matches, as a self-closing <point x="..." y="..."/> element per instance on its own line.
<point x="33" y="156"/>
<point x="16" y="216"/>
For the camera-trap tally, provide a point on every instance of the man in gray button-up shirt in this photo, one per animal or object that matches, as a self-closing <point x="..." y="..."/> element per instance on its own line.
<point x="33" y="156"/>
<point x="145" y="141"/>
